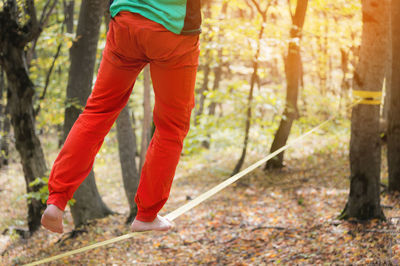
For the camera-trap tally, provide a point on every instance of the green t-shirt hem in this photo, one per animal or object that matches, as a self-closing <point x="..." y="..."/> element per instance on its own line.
<point x="115" y="11"/>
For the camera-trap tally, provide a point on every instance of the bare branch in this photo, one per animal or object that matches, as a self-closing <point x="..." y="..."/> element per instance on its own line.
<point x="264" y="12"/>
<point x="249" y="5"/>
<point x="44" y="10"/>
<point x="257" y="5"/>
<point x="45" y="15"/>
<point x="48" y="77"/>
<point x="50" y="71"/>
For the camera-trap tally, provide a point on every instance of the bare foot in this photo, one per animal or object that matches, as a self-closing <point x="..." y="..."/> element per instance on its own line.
<point x="52" y="219"/>
<point x="159" y="224"/>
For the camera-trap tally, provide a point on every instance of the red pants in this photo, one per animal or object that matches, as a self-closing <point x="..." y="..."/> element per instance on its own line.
<point x="132" y="42"/>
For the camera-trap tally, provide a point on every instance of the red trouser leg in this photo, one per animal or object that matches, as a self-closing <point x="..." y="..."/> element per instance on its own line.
<point x="110" y="94"/>
<point x="174" y="101"/>
<point x="131" y="42"/>
<point x="173" y="82"/>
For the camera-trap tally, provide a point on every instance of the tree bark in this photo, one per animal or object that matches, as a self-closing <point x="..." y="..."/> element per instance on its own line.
<point x="147" y="117"/>
<point x="394" y="107"/>
<point x="344" y="86"/>
<point x="388" y="80"/>
<point x="220" y="61"/>
<point x="127" y="153"/>
<point x="253" y="80"/>
<point x="206" y="67"/>
<point x="89" y="204"/>
<point x="13" y="41"/>
<point x="5" y="139"/>
<point x="204" y="87"/>
<point x="5" y="123"/>
<point x="365" y="150"/>
<point x="293" y="78"/>
<point x="216" y="82"/>
<point x="69" y="15"/>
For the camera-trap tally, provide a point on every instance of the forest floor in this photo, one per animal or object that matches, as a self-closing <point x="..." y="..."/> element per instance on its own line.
<point x="286" y="216"/>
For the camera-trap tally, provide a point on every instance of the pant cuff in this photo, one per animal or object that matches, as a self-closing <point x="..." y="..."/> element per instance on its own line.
<point x="58" y="199"/>
<point x="143" y="217"/>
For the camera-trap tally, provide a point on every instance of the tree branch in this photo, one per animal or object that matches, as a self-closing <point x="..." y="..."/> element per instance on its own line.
<point x="32" y="28"/>
<point x="45" y="15"/>
<point x="48" y="77"/>
<point x="258" y="7"/>
<point x="264" y="12"/>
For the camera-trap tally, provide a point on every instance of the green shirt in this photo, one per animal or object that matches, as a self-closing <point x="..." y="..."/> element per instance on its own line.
<point x="179" y="16"/>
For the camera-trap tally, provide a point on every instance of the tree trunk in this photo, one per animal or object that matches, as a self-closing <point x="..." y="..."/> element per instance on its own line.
<point x="365" y="151"/>
<point x="89" y="204"/>
<point x="5" y="139"/>
<point x="211" y="108"/>
<point x="293" y="78"/>
<point x="388" y="79"/>
<point x="206" y="68"/>
<point x="127" y="153"/>
<point x="147" y="117"/>
<point x="344" y="86"/>
<point x="204" y="87"/>
<point x="253" y="80"/>
<point x="220" y="62"/>
<point x="239" y="164"/>
<point x="394" y="107"/>
<point x="13" y="42"/>
<point x="69" y="15"/>
<point x="216" y="82"/>
<point x="5" y="125"/>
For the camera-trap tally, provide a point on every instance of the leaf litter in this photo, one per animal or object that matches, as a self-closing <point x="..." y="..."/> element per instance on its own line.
<point x="286" y="216"/>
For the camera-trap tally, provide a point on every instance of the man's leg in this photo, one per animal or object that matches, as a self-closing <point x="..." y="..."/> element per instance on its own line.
<point x="173" y="84"/>
<point x="110" y="94"/>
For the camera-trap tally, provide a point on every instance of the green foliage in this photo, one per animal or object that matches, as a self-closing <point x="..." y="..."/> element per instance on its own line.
<point x="43" y="192"/>
<point x="230" y="40"/>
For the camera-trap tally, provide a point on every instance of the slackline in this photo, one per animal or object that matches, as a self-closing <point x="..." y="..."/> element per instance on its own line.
<point x="193" y="203"/>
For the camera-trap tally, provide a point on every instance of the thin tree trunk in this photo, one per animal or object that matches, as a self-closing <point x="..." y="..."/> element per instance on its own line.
<point x="365" y="149"/>
<point x="293" y="78"/>
<point x="394" y="107"/>
<point x="239" y="164"/>
<point x="5" y="139"/>
<point x="89" y="204"/>
<point x="388" y="80"/>
<point x="127" y="153"/>
<point x="253" y="80"/>
<point x="220" y="62"/>
<point x="213" y="104"/>
<point x="216" y="82"/>
<point x="69" y="15"/>
<point x="344" y="86"/>
<point x="5" y="125"/>
<point x="147" y="117"/>
<point x="204" y="87"/>
<point x="206" y="68"/>
<point x="69" y="7"/>
<point x="20" y="98"/>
